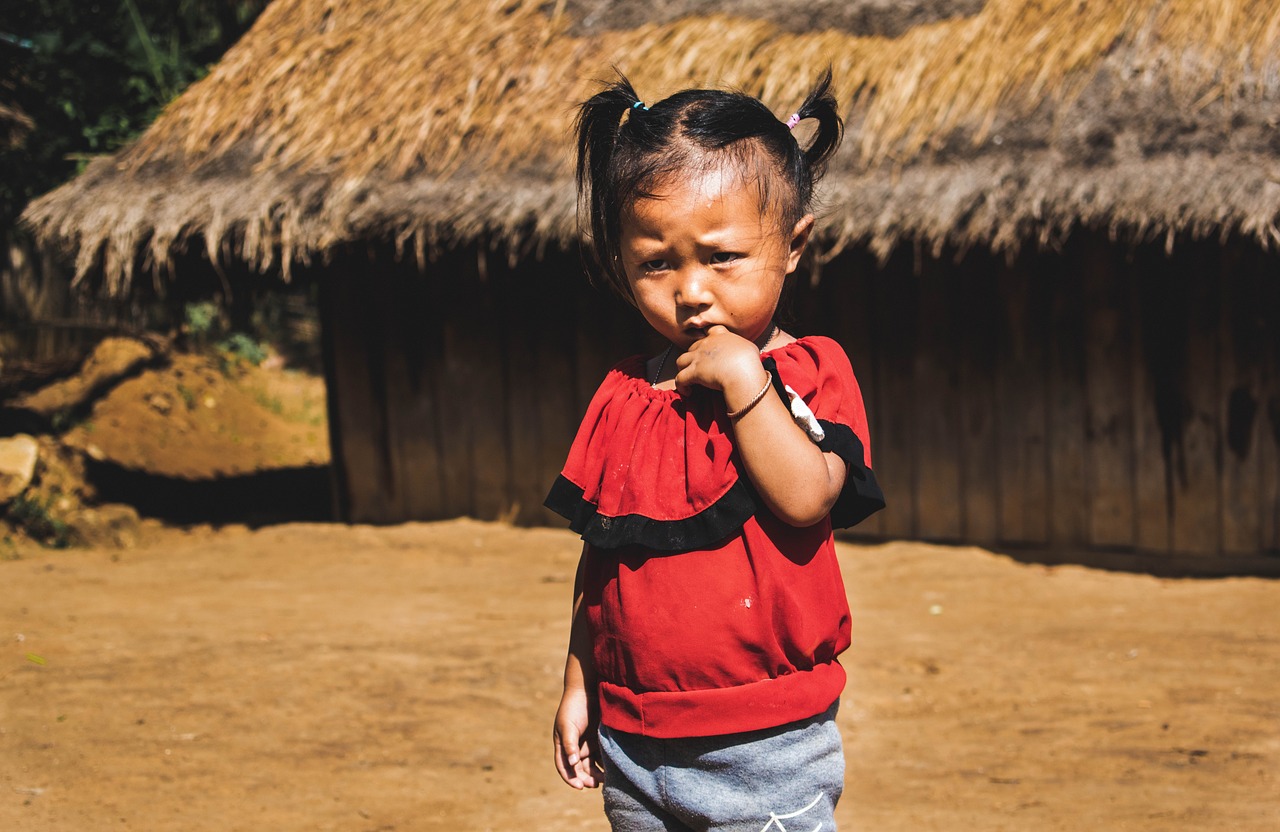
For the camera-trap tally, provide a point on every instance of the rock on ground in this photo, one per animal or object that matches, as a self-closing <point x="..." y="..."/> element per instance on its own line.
<point x="18" y="456"/>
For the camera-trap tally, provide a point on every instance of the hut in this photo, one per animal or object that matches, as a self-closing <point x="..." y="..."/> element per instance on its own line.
<point x="1049" y="245"/>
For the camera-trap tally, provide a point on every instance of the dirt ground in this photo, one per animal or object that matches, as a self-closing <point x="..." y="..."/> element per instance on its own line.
<point x="195" y="418"/>
<point x="326" y="677"/>
<point x="153" y="422"/>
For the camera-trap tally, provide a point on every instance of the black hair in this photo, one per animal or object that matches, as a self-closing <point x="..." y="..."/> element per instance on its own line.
<point x="626" y="150"/>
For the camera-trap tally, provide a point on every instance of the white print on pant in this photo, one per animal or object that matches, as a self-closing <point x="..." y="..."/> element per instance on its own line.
<point x="775" y="820"/>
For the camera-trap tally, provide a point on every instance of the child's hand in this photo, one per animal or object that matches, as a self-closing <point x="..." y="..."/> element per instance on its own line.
<point x="574" y="740"/>
<point x="721" y="361"/>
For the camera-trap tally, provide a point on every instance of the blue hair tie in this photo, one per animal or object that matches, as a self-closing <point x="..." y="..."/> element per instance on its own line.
<point x="639" y="105"/>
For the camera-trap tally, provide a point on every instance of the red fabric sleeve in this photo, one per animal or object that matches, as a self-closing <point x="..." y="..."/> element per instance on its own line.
<point x="818" y="370"/>
<point x="820" y="373"/>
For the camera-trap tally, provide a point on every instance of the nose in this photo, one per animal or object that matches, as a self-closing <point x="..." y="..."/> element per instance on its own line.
<point x="693" y="290"/>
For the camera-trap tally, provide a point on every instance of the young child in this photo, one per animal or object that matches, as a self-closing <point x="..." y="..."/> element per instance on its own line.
<point x="701" y="683"/>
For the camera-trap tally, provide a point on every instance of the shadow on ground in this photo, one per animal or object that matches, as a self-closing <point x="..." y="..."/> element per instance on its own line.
<point x="283" y="495"/>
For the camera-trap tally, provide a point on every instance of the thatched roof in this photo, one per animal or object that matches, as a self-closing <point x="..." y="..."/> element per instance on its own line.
<point x="889" y="18"/>
<point x="432" y="122"/>
<point x="14" y="126"/>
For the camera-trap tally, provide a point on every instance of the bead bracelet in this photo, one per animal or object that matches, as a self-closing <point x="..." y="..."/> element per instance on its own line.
<point x="734" y="414"/>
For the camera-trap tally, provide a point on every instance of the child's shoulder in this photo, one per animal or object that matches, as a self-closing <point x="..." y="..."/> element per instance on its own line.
<point x="813" y="351"/>
<point x="814" y="365"/>
<point x="817" y="344"/>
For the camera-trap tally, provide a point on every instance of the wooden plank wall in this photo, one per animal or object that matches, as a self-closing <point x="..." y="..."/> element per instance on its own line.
<point x="1095" y="398"/>
<point x="457" y="392"/>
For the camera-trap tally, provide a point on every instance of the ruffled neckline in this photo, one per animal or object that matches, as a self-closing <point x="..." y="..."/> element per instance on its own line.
<point x="658" y="468"/>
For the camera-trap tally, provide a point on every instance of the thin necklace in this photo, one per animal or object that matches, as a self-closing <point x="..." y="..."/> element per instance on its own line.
<point x="773" y="330"/>
<point x="661" y="364"/>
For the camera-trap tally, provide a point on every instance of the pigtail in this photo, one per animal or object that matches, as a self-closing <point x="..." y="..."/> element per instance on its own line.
<point x="597" y="126"/>
<point x="821" y="105"/>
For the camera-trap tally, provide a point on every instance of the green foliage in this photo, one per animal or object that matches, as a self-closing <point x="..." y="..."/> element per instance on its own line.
<point x="205" y="321"/>
<point x="32" y="515"/>
<point x="202" y="319"/>
<point x="93" y="75"/>
<point x="202" y="322"/>
<point x="239" y="347"/>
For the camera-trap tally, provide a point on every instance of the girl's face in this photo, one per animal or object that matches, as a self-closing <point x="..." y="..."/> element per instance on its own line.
<point x="701" y="253"/>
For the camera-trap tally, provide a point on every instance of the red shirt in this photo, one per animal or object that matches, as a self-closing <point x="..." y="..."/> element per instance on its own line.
<point x="708" y="614"/>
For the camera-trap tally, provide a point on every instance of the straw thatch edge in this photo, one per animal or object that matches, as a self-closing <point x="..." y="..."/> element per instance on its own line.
<point x="997" y="202"/>
<point x="15" y="126"/>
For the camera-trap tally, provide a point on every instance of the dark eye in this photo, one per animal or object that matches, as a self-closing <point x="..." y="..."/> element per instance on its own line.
<point x="724" y="257"/>
<point x="653" y="265"/>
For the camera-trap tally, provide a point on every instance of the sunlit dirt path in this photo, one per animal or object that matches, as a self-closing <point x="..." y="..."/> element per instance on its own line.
<point x="326" y="677"/>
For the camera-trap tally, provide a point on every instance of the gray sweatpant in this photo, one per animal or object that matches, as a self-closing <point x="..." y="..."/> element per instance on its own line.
<point x="784" y="779"/>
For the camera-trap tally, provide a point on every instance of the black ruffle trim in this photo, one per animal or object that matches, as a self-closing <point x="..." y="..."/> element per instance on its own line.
<point x="861" y="496"/>
<point x="859" y="499"/>
<point x="703" y="530"/>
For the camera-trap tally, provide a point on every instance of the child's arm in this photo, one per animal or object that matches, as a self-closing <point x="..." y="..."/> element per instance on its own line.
<point x="574" y="734"/>
<point x="797" y="481"/>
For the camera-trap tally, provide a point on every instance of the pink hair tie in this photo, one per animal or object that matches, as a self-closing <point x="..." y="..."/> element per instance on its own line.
<point x="793" y="121"/>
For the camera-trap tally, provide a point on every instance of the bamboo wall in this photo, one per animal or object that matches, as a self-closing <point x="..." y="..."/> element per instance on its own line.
<point x="1093" y="399"/>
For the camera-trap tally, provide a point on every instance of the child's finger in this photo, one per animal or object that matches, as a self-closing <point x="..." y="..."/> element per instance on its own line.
<point x="568" y="773"/>
<point x="683" y="385"/>
<point x="567" y="755"/>
<point x="569" y="744"/>
<point x="588" y="770"/>
<point x="587" y="777"/>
